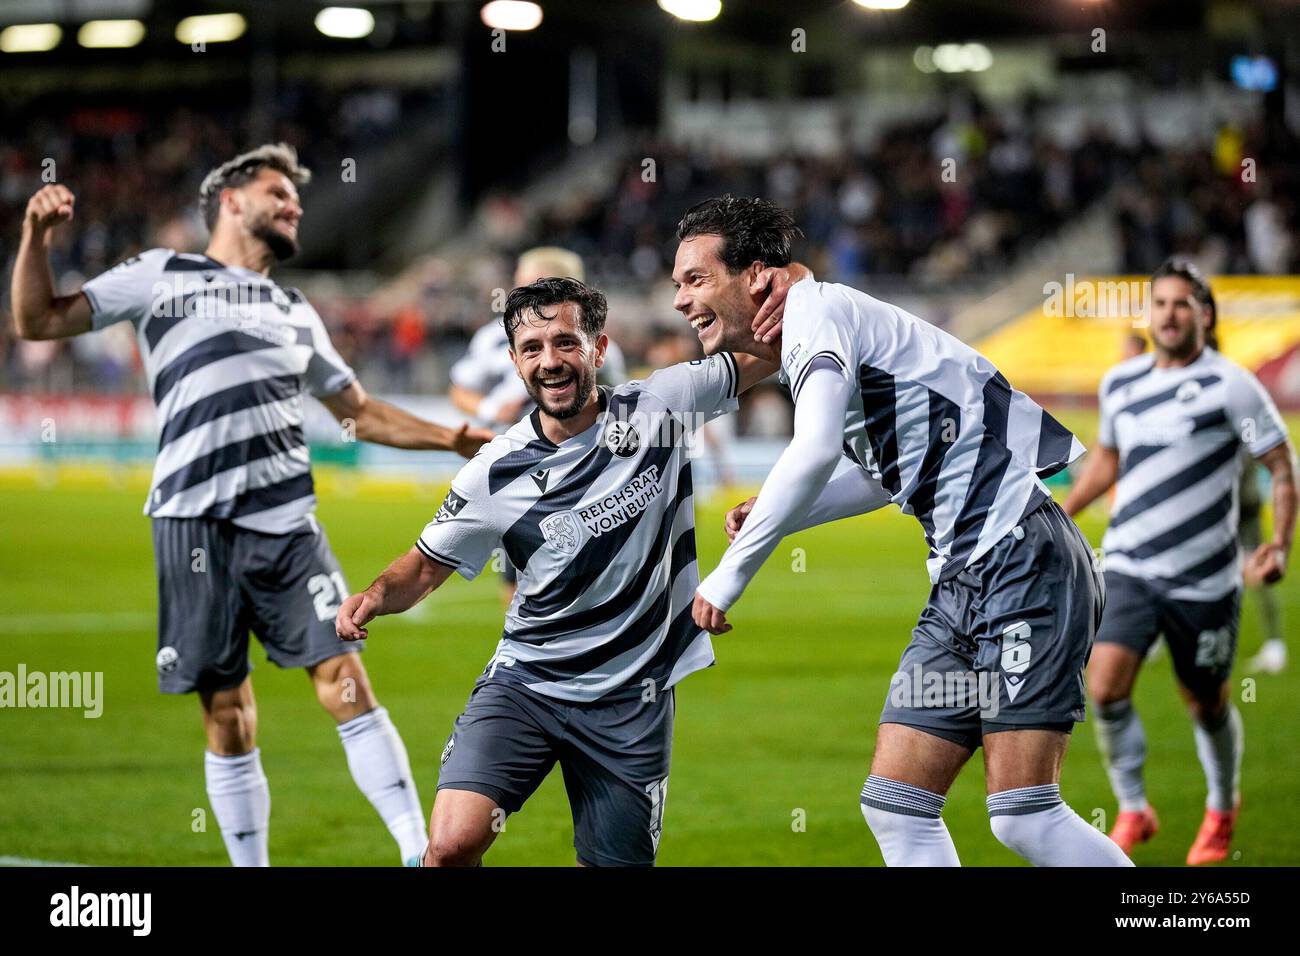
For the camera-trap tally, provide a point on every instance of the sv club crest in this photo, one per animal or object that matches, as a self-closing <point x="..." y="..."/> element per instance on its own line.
<point x="562" y="532"/>
<point x="622" y="439"/>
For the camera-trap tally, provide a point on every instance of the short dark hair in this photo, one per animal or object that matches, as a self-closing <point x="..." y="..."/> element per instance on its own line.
<point x="243" y="169"/>
<point x="1190" y="273"/>
<point x="751" y="229"/>
<point x="556" y="290"/>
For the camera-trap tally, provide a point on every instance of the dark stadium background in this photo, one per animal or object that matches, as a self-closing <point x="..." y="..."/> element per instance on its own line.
<point x="1067" y="159"/>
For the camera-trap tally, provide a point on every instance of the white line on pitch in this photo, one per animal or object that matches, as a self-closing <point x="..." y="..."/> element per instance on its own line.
<point x="22" y="861"/>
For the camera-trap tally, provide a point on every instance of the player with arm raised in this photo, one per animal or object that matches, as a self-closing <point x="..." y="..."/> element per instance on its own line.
<point x="887" y="407"/>
<point x="591" y="496"/>
<point x="1173" y="424"/>
<point x="229" y="355"/>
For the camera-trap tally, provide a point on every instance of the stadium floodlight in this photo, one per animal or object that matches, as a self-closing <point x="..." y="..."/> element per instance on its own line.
<point x="30" y="37"/>
<point x="345" y="23"/>
<point x="211" y="28"/>
<point x="115" y="34"/>
<point x="697" y="11"/>
<point x="882" y="4"/>
<point x="511" y="15"/>
<point x="923" y="59"/>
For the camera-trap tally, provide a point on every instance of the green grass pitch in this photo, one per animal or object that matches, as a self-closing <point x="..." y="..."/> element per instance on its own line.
<point x="771" y="747"/>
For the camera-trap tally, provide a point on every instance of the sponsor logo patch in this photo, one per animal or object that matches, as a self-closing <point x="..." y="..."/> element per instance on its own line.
<point x="450" y="507"/>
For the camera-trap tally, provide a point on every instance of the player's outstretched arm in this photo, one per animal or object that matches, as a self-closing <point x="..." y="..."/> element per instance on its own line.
<point x="791" y="488"/>
<point x="405" y="583"/>
<point x="38" y="312"/>
<point x="385" y="424"/>
<point x="1267" y="563"/>
<point x="849" y="492"/>
<point x="1100" y="472"/>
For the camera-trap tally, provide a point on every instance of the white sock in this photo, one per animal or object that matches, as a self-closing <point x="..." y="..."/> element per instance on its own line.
<point x="1219" y="746"/>
<point x="1036" y="824"/>
<point x="906" y="822"/>
<point x="379" y="765"/>
<point x="1123" y="745"/>
<point x="241" y="801"/>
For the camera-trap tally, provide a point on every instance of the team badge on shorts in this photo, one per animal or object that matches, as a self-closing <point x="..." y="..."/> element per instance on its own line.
<point x="622" y="439"/>
<point x="167" y="660"/>
<point x="561" y="532"/>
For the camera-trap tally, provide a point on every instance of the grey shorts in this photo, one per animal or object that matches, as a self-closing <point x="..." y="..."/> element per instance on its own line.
<point x="1003" y="644"/>
<point x="1202" y="635"/>
<point x="614" y="757"/>
<point x="217" y="582"/>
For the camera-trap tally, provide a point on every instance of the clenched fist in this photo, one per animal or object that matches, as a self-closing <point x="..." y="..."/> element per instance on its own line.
<point x="354" y="614"/>
<point x="49" y="207"/>
<point x="736" y="517"/>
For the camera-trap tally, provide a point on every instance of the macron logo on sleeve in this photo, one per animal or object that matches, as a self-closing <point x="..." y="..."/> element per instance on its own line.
<point x="451" y="506"/>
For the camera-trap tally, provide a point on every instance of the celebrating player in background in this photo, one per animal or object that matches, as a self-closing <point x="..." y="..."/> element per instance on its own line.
<point x="890" y="408"/>
<point x="228" y="355"/>
<point x="591" y="496"/>
<point x="1172" y="427"/>
<point x="1271" y="657"/>
<point x="484" y="382"/>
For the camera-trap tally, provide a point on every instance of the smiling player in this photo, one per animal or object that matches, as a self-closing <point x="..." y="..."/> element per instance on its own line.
<point x="888" y="407"/>
<point x="229" y="355"/>
<point x="1173" y="425"/>
<point x="592" y="497"/>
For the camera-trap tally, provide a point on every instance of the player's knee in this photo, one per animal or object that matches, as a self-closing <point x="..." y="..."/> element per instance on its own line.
<point x="232" y="727"/>
<point x="1012" y="832"/>
<point x="1105" y="690"/>
<point x="342" y="686"/>
<point x="446" y="849"/>
<point x="1210" y="713"/>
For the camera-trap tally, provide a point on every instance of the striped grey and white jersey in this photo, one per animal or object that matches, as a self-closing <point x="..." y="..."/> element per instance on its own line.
<point x="486" y="368"/>
<point x="931" y="419"/>
<point x="1179" y="434"/>
<point x="602" y="530"/>
<point x="227" y="354"/>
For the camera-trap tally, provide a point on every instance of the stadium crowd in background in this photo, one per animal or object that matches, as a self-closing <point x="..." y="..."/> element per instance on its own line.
<point x="867" y="213"/>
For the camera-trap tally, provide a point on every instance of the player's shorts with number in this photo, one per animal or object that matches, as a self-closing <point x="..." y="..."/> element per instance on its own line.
<point x="1003" y="644"/>
<point x="218" y="581"/>
<point x="1202" y="635"/>
<point x="614" y="753"/>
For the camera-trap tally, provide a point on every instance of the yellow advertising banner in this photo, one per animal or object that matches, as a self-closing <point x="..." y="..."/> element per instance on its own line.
<point x="1067" y="343"/>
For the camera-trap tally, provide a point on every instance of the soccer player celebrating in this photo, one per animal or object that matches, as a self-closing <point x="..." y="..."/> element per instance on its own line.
<point x="1173" y="424"/>
<point x="484" y="382"/>
<point x="888" y="407"/>
<point x="591" y="496"/>
<point x="228" y="355"/>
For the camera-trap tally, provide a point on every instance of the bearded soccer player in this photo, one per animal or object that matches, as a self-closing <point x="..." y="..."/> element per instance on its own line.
<point x="484" y="382"/>
<point x="1173" y="426"/>
<point x="229" y="355"/>
<point x="890" y="408"/>
<point x="591" y="495"/>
